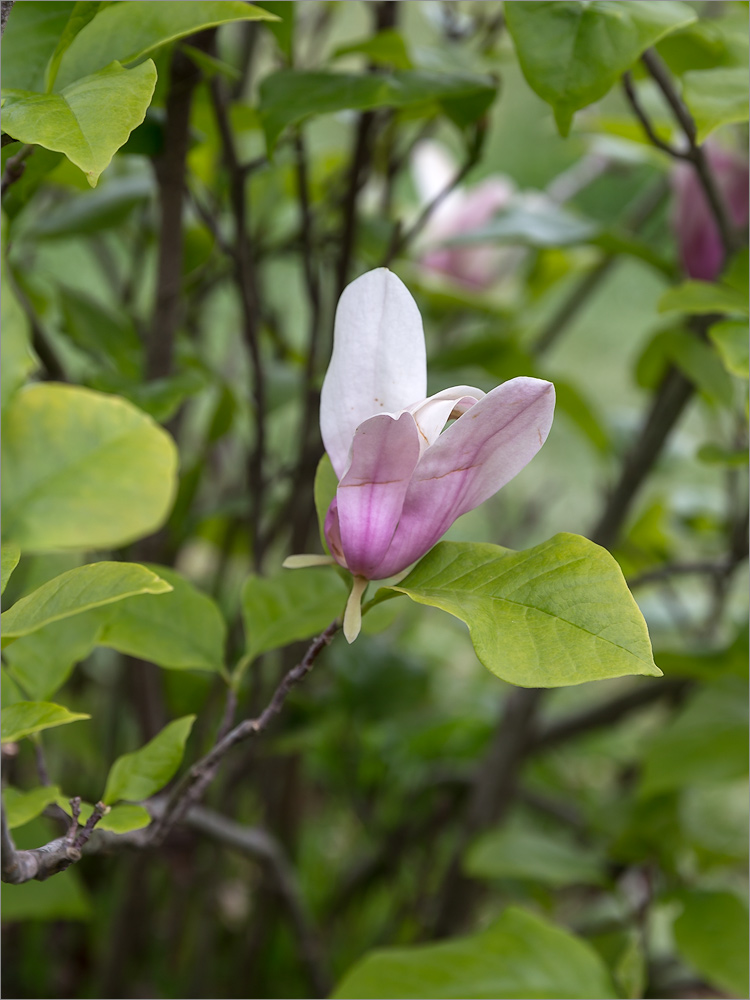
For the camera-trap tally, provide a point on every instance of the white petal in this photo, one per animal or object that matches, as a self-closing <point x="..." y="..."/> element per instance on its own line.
<point x="378" y="363"/>
<point x="431" y="415"/>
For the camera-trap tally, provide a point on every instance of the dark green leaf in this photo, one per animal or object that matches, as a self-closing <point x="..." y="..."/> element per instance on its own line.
<point x="572" y="53"/>
<point x="296" y="605"/>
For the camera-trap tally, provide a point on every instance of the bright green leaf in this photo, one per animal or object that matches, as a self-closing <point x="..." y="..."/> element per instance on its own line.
<point x="697" y="297"/>
<point x="128" y="31"/>
<point x="692" y="356"/>
<point x="10" y="556"/>
<point x="525" y="853"/>
<point x="520" y="955"/>
<point x="89" y="120"/>
<point x="82" y="470"/>
<point x="27" y="717"/>
<point x="557" y="614"/>
<point x="711" y="933"/>
<point x="705" y="743"/>
<point x="732" y="344"/>
<point x="296" y="605"/>
<point x="124" y="818"/>
<point x="187" y="631"/>
<point x="716" y="97"/>
<point x="79" y="590"/>
<point x="22" y="807"/>
<point x="142" y="773"/>
<point x="572" y="53"/>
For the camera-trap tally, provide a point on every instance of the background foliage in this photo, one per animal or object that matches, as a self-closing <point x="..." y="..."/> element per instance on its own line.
<point x="187" y="187"/>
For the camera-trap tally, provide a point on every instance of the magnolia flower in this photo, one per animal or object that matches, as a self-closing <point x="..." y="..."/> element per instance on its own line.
<point x="693" y="221"/>
<point x="462" y="211"/>
<point x="404" y="477"/>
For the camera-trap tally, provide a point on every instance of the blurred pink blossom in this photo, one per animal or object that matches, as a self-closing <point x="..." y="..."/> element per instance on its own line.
<point x="462" y="211"/>
<point x="700" y="246"/>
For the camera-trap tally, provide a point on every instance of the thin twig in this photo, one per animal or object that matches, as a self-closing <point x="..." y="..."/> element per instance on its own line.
<point x="14" y="167"/>
<point x="695" y="154"/>
<point x="640" y="114"/>
<point x="249" y="300"/>
<point x="190" y="789"/>
<point x="661" y="573"/>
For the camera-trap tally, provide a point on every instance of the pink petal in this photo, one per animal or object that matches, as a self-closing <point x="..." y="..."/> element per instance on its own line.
<point x="700" y="245"/>
<point x="476" y="456"/>
<point x="378" y="363"/>
<point x="370" y="497"/>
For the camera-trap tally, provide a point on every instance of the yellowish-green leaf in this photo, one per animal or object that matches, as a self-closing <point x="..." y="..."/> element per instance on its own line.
<point x="27" y="717"/>
<point x="140" y="774"/>
<point x="79" y="590"/>
<point x="716" y="97"/>
<point x="89" y="120"/>
<point x="558" y="614"/>
<point x="10" y="556"/>
<point x="732" y="344"/>
<point x="82" y="470"/>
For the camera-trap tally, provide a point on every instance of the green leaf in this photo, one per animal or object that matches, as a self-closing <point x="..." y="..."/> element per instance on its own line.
<point x="705" y="743"/>
<point x="56" y="899"/>
<point x="79" y="590"/>
<point x="326" y="483"/>
<point x="631" y="972"/>
<point x="572" y="53"/>
<point x="89" y="120"/>
<point x="22" y="807"/>
<point x="290" y="96"/>
<point x="127" y="32"/>
<point x="82" y="470"/>
<point x="714" y="818"/>
<point x="30" y="37"/>
<point x="711" y="934"/>
<point x="42" y="662"/>
<point x="123" y="818"/>
<point x="524" y="853"/>
<point x="140" y="774"/>
<point x="93" y="212"/>
<point x="282" y="29"/>
<point x="17" y="360"/>
<point x="27" y="717"/>
<point x="187" y="631"/>
<point x="557" y="614"/>
<point x="731" y="342"/>
<point x="386" y="48"/>
<point x="109" y="336"/>
<point x="698" y="297"/>
<point x="82" y="13"/>
<point x="692" y="356"/>
<point x="716" y="97"/>
<point x="520" y="955"/>
<point x="296" y="605"/>
<point x="10" y="556"/>
<point x="119" y="819"/>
